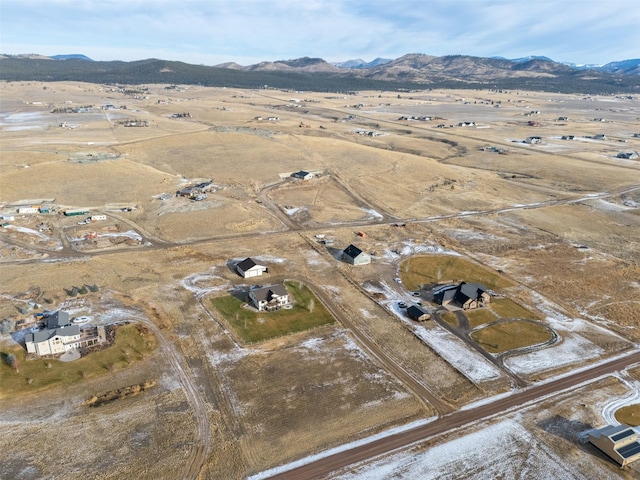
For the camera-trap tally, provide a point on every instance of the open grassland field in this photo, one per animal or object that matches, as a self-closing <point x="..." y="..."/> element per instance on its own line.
<point x="424" y="270"/>
<point x="553" y="228"/>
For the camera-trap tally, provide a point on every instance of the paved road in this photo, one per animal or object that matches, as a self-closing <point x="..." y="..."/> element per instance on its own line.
<point x="327" y="465"/>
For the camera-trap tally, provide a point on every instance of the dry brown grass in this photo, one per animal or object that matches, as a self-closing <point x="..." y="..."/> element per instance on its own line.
<point x="629" y="415"/>
<point x="423" y="270"/>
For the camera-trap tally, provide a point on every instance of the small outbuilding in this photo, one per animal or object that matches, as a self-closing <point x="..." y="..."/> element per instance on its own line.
<point x="248" y="268"/>
<point x="628" y="155"/>
<point x="302" y="175"/>
<point x="619" y="442"/>
<point x="416" y="313"/>
<point x="354" y="256"/>
<point x="533" y="140"/>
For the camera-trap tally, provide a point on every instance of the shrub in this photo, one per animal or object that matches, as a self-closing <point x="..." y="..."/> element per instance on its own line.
<point x="6" y="326"/>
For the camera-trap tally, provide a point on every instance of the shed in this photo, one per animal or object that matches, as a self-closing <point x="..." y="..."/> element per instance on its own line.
<point x="302" y="175"/>
<point x="619" y="442"/>
<point x="416" y="313"/>
<point x="354" y="256"/>
<point x="250" y="268"/>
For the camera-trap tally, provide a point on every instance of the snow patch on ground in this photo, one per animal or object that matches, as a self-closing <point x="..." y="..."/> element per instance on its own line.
<point x="232" y="356"/>
<point x="191" y="283"/>
<point x="409" y="247"/>
<point x="464" y="234"/>
<point x="371" y="214"/>
<point x="468" y="362"/>
<point x="293" y="210"/>
<point x="609" y="410"/>
<point x="485" y="454"/>
<point x="29" y="231"/>
<point x="573" y="349"/>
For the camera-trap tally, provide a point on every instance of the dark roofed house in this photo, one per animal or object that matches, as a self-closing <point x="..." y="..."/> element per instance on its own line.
<point x="465" y="295"/>
<point x="58" y="319"/>
<point x="619" y="442"/>
<point x="416" y="313"/>
<point x="302" y="175"/>
<point x="269" y="298"/>
<point x="250" y="268"/>
<point x="355" y="256"/>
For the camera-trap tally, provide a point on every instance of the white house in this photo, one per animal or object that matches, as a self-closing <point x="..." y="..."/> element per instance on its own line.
<point x="250" y="268"/>
<point x="355" y="256"/>
<point x="54" y="341"/>
<point x="271" y="297"/>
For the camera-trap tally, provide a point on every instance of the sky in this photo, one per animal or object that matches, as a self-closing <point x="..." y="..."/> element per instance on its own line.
<point x="211" y="32"/>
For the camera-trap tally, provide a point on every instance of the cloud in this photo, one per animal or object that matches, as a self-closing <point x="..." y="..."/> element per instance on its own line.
<point x="247" y="31"/>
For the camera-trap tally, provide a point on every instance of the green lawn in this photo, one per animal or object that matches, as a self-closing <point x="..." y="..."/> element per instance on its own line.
<point x="251" y="326"/>
<point x="506" y="308"/>
<point x="508" y="336"/>
<point x="480" y="316"/>
<point x="429" y="269"/>
<point x="129" y="347"/>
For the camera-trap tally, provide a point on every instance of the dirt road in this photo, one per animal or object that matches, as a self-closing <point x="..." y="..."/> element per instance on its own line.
<point x="332" y="463"/>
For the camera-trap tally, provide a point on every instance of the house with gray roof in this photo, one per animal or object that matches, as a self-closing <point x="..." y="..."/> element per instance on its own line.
<point x="57" y="319"/>
<point x="53" y="341"/>
<point x="354" y="256"/>
<point x="269" y="298"/>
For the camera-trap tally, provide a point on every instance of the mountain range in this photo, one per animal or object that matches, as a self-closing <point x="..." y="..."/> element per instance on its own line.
<point x="410" y="71"/>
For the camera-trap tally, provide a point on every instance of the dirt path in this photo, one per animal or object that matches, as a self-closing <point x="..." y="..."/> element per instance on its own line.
<point x="201" y="416"/>
<point x="332" y="463"/>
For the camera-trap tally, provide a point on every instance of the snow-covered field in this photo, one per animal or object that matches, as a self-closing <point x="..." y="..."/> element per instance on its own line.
<point x="468" y="362"/>
<point x="572" y="350"/>
<point x="504" y="450"/>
